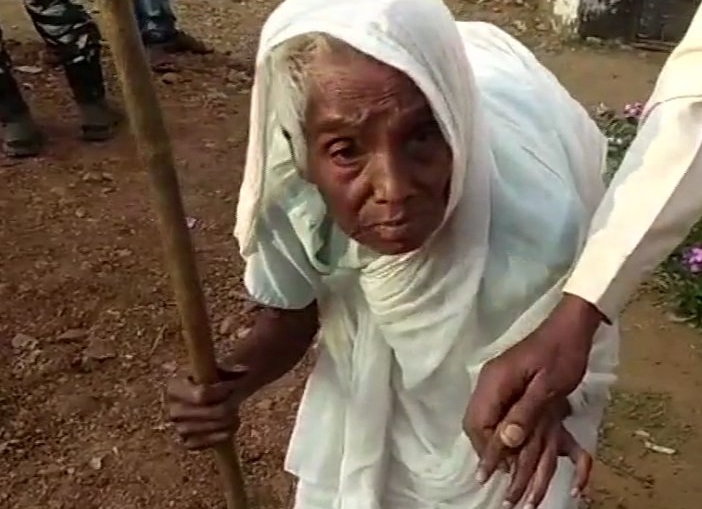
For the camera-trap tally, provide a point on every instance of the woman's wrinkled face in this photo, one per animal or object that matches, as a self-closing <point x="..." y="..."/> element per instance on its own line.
<point x="376" y="152"/>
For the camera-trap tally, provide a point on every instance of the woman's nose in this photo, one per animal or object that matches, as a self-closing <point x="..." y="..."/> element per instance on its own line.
<point x="390" y="183"/>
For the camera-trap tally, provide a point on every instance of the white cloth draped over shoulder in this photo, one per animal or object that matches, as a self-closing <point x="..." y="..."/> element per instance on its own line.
<point x="404" y="337"/>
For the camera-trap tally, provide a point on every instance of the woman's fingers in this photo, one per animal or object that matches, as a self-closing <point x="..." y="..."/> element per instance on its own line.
<point x="192" y="428"/>
<point x="580" y="458"/>
<point x="183" y="412"/>
<point x="515" y="428"/>
<point x="525" y="468"/>
<point x="185" y="390"/>
<point x="544" y="473"/>
<point x="199" y="442"/>
<point x="204" y="415"/>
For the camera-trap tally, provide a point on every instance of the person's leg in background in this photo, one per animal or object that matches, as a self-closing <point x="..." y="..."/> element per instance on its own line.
<point x="159" y="28"/>
<point x="22" y="137"/>
<point x="72" y="34"/>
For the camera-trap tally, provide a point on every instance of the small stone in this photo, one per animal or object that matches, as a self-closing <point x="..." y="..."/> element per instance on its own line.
<point x="72" y="335"/>
<point x="520" y="25"/>
<point x="668" y="451"/>
<point x="170" y="78"/>
<point x="242" y="332"/>
<point x="169" y="367"/>
<point x="81" y="213"/>
<point x="23" y="342"/>
<point x="91" y="177"/>
<point x="264" y="405"/>
<point x="677" y="318"/>
<point x="96" y="463"/>
<point x="99" y="350"/>
<point x="28" y="69"/>
<point x="216" y="95"/>
<point x="226" y="326"/>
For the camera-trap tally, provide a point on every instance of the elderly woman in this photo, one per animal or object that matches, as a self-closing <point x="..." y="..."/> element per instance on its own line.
<point x="415" y="193"/>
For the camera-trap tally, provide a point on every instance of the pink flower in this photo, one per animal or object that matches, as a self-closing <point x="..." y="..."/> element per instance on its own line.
<point x="693" y="259"/>
<point x="633" y="110"/>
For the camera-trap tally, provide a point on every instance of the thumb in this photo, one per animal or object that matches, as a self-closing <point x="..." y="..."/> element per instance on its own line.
<point x="220" y="391"/>
<point x="230" y="379"/>
<point x="520" y="421"/>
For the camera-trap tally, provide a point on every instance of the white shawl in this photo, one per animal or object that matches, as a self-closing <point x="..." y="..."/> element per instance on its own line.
<point x="404" y="337"/>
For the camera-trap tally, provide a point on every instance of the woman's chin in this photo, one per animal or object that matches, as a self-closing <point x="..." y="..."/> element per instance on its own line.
<point x="395" y="246"/>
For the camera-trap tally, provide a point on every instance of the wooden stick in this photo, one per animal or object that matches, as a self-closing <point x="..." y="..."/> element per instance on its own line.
<point x="149" y="130"/>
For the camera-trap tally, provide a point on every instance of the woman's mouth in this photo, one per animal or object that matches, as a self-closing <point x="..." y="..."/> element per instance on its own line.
<point x="393" y="230"/>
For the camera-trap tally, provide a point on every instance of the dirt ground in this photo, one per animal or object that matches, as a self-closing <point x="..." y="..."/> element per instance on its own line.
<point x="88" y="330"/>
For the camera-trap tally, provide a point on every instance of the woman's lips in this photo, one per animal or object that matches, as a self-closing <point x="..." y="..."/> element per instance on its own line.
<point x="392" y="222"/>
<point x="393" y="230"/>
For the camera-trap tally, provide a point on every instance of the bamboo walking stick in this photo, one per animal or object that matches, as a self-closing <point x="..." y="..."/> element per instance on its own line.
<point x="153" y="144"/>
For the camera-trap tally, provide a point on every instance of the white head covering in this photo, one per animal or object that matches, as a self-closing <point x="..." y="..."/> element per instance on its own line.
<point x="439" y="69"/>
<point x="382" y="411"/>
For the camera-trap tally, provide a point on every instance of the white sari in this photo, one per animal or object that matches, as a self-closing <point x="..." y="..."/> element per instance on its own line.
<point x="403" y="337"/>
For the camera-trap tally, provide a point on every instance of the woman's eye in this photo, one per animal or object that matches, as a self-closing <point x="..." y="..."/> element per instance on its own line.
<point x="427" y="132"/>
<point x="343" y="152"/>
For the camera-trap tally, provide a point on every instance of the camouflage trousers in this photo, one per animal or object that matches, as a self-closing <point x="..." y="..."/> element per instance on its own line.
<point x="69" y="30"/>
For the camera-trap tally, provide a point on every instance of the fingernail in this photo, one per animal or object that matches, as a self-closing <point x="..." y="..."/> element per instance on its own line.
<point x="512" y="435"/>
<point x="529" y="505"/>
<point x="481" y="476"/>
<point x="575" y="493"/>
<point x="507" y="504"/>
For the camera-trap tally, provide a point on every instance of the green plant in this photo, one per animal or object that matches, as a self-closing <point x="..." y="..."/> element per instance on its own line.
<point x="620" y="130"/>
<point x="682" y="271"/>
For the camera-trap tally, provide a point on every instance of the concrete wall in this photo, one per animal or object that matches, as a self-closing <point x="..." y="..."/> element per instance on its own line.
<point x="597" y="18"/>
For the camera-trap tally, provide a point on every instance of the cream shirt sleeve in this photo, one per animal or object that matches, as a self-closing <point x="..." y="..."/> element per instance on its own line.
<point x="656" y="196"/>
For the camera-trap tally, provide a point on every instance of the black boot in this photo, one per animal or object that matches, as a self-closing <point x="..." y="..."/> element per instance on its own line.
<point x="22" y="136"/>
<point x="98" y="119"/>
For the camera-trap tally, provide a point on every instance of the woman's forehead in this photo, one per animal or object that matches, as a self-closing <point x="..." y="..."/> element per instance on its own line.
<point x="349" y="87"/>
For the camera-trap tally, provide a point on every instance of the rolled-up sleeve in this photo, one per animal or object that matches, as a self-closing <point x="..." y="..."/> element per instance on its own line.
<point x="653" y="201"/>
<point x="656" y="195"/>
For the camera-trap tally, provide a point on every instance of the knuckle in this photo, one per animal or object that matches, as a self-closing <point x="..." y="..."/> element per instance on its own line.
<point x="516" y="491"/>
<point x="491" y="368"/>
<point x="193" y="445"/>
<point x="221" y="413"/>
<point x="173" y="390"/>
<point x="182" y="429"/>
<point x="175" y="411"/>
<point x="199" y="394"/>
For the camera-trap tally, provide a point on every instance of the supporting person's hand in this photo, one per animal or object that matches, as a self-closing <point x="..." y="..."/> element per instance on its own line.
<point x="206" y="415"/>
<point x="515" y="389"/>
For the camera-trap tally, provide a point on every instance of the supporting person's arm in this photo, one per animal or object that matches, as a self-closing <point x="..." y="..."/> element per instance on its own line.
<point x="653" y="201"/>
<point x="650" y="206"/>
